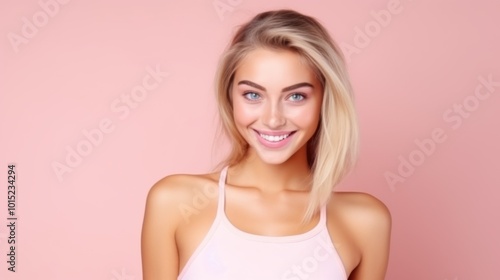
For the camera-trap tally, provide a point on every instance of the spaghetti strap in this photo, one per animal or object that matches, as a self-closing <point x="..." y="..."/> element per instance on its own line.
<point x="322" y="217"/>
<point x="222" y="182"/>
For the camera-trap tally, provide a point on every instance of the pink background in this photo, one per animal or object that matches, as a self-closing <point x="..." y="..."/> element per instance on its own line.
<point x="410" y="75"/>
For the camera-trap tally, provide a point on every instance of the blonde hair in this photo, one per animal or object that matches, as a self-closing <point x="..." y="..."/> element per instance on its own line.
<point x="332" y="151"/>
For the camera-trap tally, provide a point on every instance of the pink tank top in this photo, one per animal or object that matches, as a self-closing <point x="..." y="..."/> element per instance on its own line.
<point x="228" y="253"/>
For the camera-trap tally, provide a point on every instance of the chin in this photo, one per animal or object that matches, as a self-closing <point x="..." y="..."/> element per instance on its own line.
<point x="273" y="157"/>
<point x="274" y="161"/>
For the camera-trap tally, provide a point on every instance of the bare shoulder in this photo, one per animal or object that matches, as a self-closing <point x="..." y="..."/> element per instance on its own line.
<point x="177" y="188"/>
<point x="361" y="208"/>
<point x="368" y="222"/>
<point x="365" y="215"/>
<point x="174" y="184"/>
<point x="162" y="218"/>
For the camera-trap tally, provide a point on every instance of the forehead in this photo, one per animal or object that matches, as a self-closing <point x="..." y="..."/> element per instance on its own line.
<point x="274" y="67"/>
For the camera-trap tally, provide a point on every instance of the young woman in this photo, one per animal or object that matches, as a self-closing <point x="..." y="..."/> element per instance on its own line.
<point x="270" y="212"/>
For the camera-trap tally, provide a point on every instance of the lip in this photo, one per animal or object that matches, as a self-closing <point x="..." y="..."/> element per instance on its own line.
<point x="274" y="133"/>
<point x="274" y="145"/>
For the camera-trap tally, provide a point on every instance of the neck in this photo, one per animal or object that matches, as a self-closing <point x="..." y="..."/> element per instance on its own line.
<point x="292" y="175"/>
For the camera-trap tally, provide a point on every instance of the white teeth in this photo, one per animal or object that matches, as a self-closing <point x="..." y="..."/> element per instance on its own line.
<point x="271" y="138"/>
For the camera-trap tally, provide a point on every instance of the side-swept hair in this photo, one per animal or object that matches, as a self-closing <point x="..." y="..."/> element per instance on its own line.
<point x="333" y="149"/>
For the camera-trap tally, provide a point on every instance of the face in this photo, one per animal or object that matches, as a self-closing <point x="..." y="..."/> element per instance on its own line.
<point x="277" y="102"/>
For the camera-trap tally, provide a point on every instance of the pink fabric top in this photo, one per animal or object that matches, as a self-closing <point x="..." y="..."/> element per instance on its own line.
<point x="227" y="252"/>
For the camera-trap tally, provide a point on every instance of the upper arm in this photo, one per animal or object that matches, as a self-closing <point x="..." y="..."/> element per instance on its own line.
<point x="158" y="247"/>
<point x="373" y="229"/>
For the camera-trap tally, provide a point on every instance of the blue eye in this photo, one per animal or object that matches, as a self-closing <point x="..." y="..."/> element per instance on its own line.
<point x="299" y="97"/>
<point x="253" y="95"/>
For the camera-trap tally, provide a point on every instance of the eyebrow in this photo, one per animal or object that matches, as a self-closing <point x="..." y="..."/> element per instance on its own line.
<point x="292" y="87"/>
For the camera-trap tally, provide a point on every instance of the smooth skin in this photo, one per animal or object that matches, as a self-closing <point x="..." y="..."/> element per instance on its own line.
<point x="264" y="193"/>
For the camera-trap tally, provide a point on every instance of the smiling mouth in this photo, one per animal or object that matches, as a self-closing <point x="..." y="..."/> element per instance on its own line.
<point x="274" y="138"/>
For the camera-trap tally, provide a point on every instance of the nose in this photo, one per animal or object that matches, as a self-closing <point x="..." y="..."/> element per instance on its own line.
<point x="273" y="116"/>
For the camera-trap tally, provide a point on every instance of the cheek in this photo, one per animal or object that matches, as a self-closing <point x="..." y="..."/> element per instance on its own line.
<point x="244" y="114"/>
<point x="305" y="117"/>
